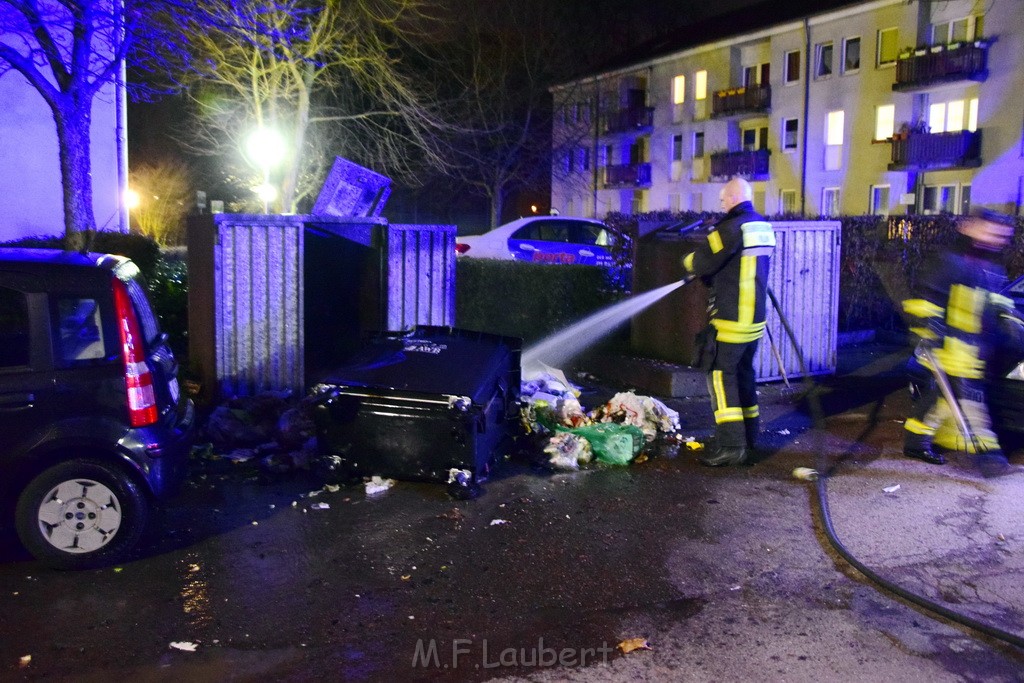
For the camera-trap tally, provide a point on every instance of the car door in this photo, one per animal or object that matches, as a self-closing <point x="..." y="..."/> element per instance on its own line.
<point x="545" y="241"/>
<point x="26" y="376"/>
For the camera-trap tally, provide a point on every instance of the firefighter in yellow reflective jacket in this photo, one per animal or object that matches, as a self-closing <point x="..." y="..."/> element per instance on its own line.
<point x="733" y="262"/>
<point x="956" y="314"/>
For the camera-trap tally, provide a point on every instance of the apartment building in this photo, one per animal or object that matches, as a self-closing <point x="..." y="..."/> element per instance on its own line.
<point x="881" y="107"/>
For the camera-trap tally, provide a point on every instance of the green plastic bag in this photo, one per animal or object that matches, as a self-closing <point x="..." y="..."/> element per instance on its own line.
<point x="612" y="443"/>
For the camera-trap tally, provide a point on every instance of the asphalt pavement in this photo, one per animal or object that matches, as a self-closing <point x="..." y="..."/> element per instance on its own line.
<point x="710" y="574"/>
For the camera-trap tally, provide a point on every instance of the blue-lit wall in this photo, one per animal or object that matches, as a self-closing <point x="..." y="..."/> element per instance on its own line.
<point x="30" y="186"/>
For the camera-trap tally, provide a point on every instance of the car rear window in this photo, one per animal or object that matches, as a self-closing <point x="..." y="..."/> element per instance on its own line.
<point x="79" y="331"/>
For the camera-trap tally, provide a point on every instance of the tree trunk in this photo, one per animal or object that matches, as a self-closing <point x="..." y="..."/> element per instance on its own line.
<point x="73" y="119"/>
<point x="290" y="181"/>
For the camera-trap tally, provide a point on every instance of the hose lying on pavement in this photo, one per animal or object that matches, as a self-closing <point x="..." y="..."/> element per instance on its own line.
<point x="821" y="489"/>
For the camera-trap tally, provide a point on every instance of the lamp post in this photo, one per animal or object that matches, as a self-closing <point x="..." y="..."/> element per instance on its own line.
<point x="266" y="150"/>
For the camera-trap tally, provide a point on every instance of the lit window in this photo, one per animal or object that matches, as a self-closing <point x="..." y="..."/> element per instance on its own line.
<point x="955" y="115"/>
<point x="700" y="85"/>
<point x="885" y="121"/>
<point x="937" y="117"/>
<point x="823" y="60"/>
<point x="972" y="114"/>
<point x="851" y="55"/>
<point x="888" y="46"/>
<point x="791" y="74"/>
<point x="679" y="89"/>
<point x="834" y="128"/>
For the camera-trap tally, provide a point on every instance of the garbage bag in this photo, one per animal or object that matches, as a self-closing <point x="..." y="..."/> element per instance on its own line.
<point x="614" y="444"/>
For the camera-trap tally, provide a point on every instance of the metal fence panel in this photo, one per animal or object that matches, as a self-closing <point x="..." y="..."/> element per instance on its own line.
<point x="804" y="277"/>
<point x="420" y="279"/>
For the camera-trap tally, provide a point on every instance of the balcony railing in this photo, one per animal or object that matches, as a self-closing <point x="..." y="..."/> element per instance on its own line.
<point x="752" y="99"/>
<point x="627" y="175"/>
<point x="625" y="120"/>
<point x="959" y="149"/>
<point x="941" y="64"/>
<point x="752" y="165"/>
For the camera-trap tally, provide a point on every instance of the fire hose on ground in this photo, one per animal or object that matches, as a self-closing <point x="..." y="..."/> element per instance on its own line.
<point x="821" y="489"/>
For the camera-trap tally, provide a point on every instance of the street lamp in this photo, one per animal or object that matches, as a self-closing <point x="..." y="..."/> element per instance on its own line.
<point x="266" y="149"/>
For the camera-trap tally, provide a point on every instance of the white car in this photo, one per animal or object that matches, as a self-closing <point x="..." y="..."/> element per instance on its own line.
<point x="543" y="239"/>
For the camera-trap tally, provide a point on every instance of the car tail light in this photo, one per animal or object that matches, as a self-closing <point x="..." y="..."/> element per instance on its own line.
<point x="137" y="377"/>
<point x="461" y="248"/>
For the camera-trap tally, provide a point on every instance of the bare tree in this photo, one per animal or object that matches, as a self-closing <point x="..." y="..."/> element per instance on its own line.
<point x="328" y="70"/>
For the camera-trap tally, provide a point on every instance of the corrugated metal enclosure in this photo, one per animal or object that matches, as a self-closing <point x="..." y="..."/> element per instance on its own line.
<point x="245" y="302"/>
<point x="804" y="277"/>
<point x="276" y="301"/>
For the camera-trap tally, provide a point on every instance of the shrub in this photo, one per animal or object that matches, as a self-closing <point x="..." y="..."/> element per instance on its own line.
<point x="527" y="300"/>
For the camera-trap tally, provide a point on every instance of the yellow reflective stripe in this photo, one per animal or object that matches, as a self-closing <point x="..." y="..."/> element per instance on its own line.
<point x="960" y="359"/>
<point x="728" y="415"/>
<point x="758" y="234"/>
<point x="688" y="262"/>
<point x="922" y="308"/>
<point x="716" y="383"/>
<point x="964" y="309"/>
<point x="748" y="277"/>
<point x="715" y="242"/>
<point x="915" y="426"/>
<point x="924" y="333"/>
<point x="733" y="332"/>
<point x="751" y="411"/>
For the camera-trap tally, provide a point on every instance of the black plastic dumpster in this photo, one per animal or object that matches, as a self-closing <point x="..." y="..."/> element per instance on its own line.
<point x="415" y="405"/>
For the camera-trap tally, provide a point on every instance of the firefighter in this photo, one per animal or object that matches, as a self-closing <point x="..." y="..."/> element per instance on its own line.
<point x="733" y="262"/>
<point x="956" y="315"/>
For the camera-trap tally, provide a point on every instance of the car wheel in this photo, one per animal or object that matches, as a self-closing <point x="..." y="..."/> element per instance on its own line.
<point x="81" y="514"/>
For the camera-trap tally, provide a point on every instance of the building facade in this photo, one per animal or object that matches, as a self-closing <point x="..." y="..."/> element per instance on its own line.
<point x="883" y="107"/>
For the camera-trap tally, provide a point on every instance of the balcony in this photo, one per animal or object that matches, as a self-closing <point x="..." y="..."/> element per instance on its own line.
<point x="752" y="165"/>
<point x="755" y="99"/>
<point x="927" y="66"/>
<point x="959" y="149"/>
<point x="631" y="119"/>
<point x="627" y="175"/>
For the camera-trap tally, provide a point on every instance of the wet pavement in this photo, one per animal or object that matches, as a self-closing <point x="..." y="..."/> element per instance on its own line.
<point x="725" y="573"/>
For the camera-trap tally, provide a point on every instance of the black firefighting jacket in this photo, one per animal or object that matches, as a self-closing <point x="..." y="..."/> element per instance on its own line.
<point x="957" y="308"/>
<point x="733" y="261"/>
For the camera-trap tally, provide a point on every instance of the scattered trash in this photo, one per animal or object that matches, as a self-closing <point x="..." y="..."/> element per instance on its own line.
<point x="462" y="485"/>
<point x="240" y="455"/>
<point x="806" y="473"/>
<point x="631" y="644"/>
<point x="331" y="488"/>
<point x="784" y="432"/>
<point x="184" y="645"/>
<point x="566" y="451"/>
<point x="694" y="445"/>
<point x="377" y="485"/>
<point x="25" y="661"/>
<point x="495" y="522"/>
<point x="649" y="414"/>
<point x="320" y="506"/>
<point x="892" y="489"/>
